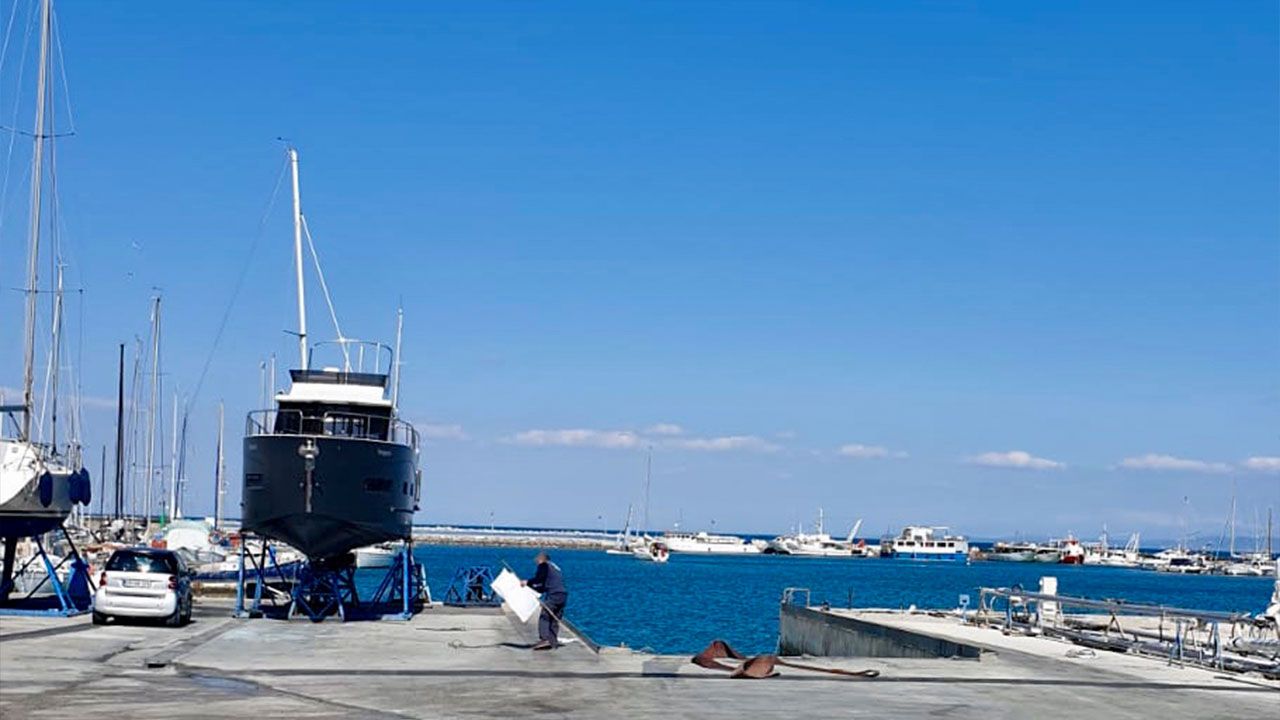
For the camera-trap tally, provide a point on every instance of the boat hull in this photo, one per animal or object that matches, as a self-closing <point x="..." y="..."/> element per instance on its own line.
<point x="363" y="492"/>
<point x="22" y="510"/>
<point x="931" y="557"/>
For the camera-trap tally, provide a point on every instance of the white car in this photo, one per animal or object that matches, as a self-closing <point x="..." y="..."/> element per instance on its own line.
<point x="143" y="582"/>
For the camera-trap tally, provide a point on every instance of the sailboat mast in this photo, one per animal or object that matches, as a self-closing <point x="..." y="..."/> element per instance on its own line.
<point x="648" y="476"/>
<point x="120" y="438"/>
<point x="55" y="355"/>
<point x="173" y="464"/>
<point x="217" y="475"/>
<point x="297" y="259"/>
<point x="33" y="244"/>
<point x="152" y="407"/>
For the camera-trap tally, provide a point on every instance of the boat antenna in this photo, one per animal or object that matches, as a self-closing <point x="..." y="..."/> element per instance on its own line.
<point x="297" y="258"/>
<point x="395" y="386"/>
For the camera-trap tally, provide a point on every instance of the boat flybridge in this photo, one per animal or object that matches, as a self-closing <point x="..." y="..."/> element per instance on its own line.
<point x="332" y="467"/>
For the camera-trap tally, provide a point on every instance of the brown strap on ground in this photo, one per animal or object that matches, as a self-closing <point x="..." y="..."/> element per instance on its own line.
<point x="762" y="666"/>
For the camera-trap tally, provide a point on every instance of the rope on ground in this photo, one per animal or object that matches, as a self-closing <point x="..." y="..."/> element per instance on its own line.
<point x="763" y="666"/>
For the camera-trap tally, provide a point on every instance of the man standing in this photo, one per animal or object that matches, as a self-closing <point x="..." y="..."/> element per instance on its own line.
<point x="549" y="581"/>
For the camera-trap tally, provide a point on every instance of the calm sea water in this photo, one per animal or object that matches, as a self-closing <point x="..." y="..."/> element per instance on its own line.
<point x="681" y="606"/>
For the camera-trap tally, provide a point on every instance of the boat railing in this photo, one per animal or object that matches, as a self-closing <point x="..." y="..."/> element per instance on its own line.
<point x="332" y="423"/>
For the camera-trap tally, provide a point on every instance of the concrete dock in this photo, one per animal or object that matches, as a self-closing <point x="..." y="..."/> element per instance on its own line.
<point x="455" y="663"/>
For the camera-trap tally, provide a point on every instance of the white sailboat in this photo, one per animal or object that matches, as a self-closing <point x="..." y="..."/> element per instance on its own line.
<point x="648" y="548"/>
<point x="40" y="478"/>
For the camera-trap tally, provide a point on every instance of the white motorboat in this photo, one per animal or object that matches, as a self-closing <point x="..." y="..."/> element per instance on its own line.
<point x="651" y="550"/>
<point x="1012" y="552"/>
<point x="817" y="544"/>
<point x="1106" y="556"/>
<point x="706" y="543"/>
<point x="927" y="543"/>
<point x="382" y="555"/>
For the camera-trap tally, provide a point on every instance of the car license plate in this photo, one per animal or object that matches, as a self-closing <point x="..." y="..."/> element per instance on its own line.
<point x="137" y="583"/>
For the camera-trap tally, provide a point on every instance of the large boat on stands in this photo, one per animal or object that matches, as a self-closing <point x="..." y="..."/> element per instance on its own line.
<point x="927" y="543"/>
<point x="41" y="478"/>
<point x="332" y="467"/>
<point x="706" y="543"/>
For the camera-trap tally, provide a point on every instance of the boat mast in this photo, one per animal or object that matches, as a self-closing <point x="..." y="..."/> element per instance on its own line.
<point x="648" y="476"/>
<point x="173" y="464"/>
<point x="217" y="475"/>
<point x="152" y="406"/>
<point x="297" y="259"/>
<point x="55" y="354"/>
<point x="1232" y="549"/>
<point x="120" y="438"/>
<point x="395" y="386"/>
<point x="33" y="244"/>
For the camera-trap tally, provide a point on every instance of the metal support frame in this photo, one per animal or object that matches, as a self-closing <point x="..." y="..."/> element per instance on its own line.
<point x="72" y="597"/>
<point x="405" y="583"/>
<point x="472" y="587"/>
<point x="259" y="570"/>
<point x="323" y="589"/>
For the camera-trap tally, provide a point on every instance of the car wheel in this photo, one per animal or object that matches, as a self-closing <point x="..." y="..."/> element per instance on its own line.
<point x="174" y="620"/>
<point x="186" y="616"/>
<point x="99" y="618"/>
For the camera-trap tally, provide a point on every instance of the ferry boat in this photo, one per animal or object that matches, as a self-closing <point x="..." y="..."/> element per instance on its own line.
<point x="706" y="543"/>
<point x="927" y="543"/>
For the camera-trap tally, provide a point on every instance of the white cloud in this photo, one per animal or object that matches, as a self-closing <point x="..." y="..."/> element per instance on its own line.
<point x="436" y="431"/>
<point x="868" y="452"/>
<point x="612" y="439"/>
<point x="1153" y="461"/>
<point x="664" y="429"/>
<point x="726" y="443"/>
<point x="1263" y="464"/>
<point x="1015" y="459"/>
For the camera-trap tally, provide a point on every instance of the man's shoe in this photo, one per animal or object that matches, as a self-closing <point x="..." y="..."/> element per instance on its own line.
<point x="544" y="645"/>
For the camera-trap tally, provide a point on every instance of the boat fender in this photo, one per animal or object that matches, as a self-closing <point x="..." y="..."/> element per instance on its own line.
<point x="74" y="487"/>
<point x="45" y="487"/>
<point x="86" y="489"/>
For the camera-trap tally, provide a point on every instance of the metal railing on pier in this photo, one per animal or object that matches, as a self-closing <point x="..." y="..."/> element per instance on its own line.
<point x="337" y="424"/>
<point x="1221" y="640"/>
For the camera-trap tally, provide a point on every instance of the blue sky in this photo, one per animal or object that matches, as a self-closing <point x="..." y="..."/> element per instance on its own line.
<point x="1020" y="260"/>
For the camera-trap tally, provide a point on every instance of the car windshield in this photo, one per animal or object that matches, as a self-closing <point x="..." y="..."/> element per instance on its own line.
<point x="137" y="562"/>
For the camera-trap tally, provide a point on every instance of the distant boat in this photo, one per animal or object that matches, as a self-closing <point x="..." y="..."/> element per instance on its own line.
<point x="653" y="551"/>
<point x="817" y="544"/>
<point x="1012" y="552"/>
<point x="927" y="543"/>
<point x="382" y="555"/>
<point x="706" y="543"/>
<point x="1069" y="549"/>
